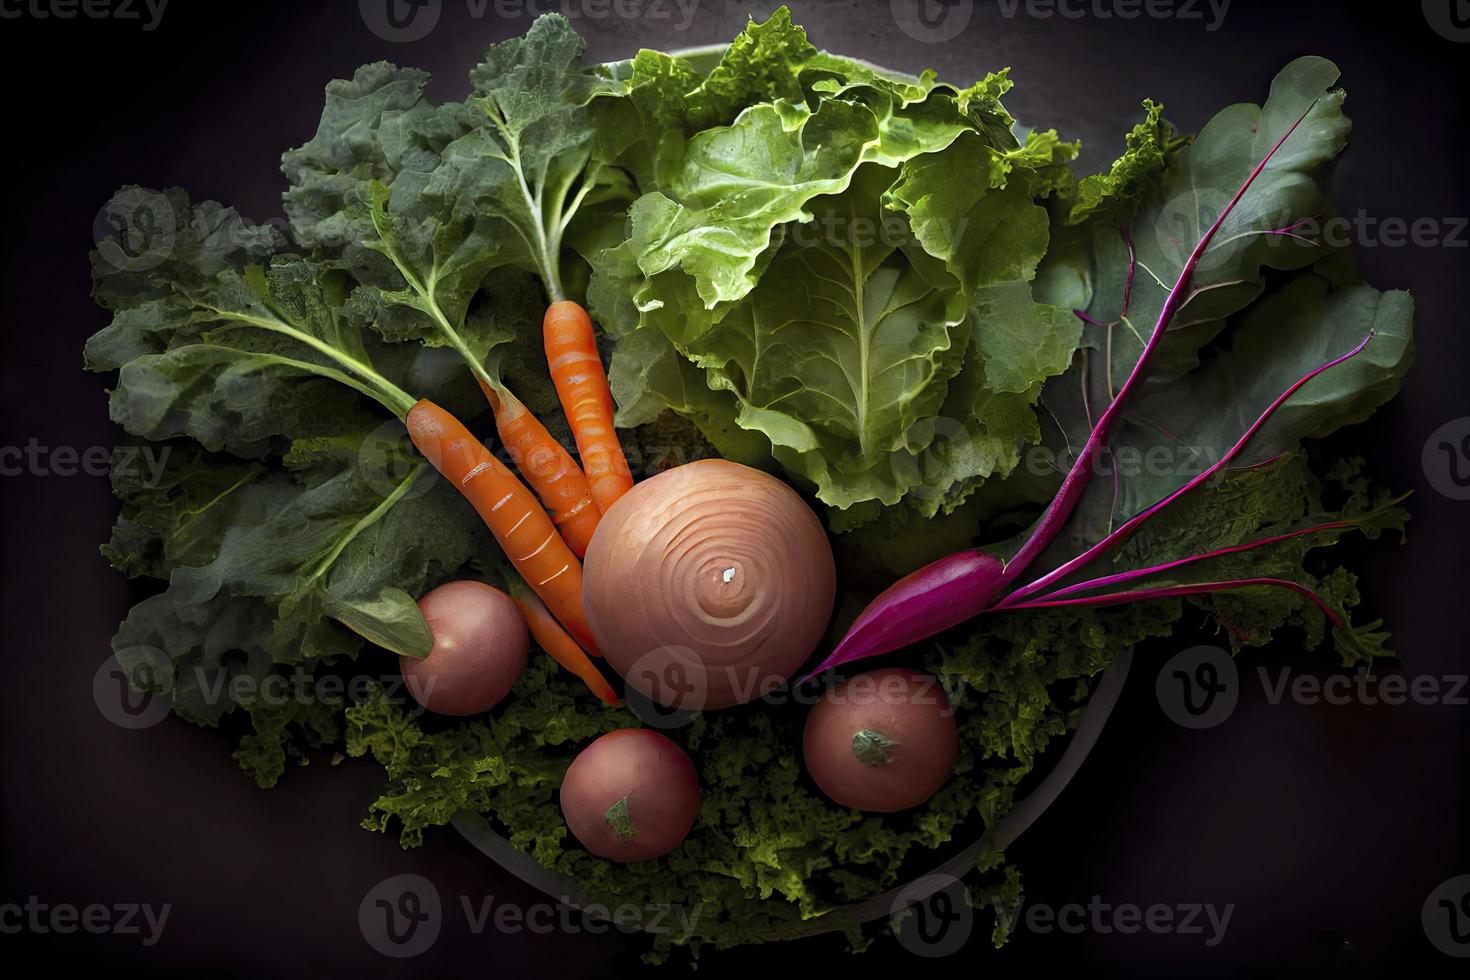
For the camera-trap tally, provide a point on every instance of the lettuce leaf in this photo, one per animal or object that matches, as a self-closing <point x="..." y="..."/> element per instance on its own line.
<point x="856" y="299"/>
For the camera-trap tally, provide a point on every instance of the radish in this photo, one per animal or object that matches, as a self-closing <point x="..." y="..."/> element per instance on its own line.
<point x="960" y="586"/>
<point x="480" y="648"/>
<point x="631" y="795"/>
<point x="883" y="741"/>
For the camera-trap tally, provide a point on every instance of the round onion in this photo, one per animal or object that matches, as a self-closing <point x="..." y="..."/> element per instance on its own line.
<point x="708" y="585"/>
<point x="882" y="741"/>
<point x="631" y="795"/>
<point x="480" y="647"/>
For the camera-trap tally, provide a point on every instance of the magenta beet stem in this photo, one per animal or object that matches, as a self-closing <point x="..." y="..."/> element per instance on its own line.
<point x="1198" y="588"/>
<point x="947" y="592"/>
<point x="1137" y="573"/>
<point x="1128" y="526"/>
<point x="1076" y="480"/>
<point x="942" y="594"/>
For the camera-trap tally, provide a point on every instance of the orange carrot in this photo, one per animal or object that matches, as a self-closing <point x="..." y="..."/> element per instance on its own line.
<point x="513" y="515"/>
<point x="547" y="467"/>
<point x="581" y="384"/>
<point x="562" y="648"/>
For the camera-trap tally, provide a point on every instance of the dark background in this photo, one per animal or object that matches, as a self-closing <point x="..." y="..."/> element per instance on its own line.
<point x="1327" y="826"/>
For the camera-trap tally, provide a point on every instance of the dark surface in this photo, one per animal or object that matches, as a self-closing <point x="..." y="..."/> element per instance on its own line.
<point x="1327" y="826"/>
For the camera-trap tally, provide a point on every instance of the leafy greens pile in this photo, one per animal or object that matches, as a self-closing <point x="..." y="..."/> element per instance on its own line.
<point x="865" y="283"/>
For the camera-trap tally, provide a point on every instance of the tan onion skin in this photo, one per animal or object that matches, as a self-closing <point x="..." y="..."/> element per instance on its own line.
<point x="910" y="711"/>
<point x="708" y="585"/>
<point x="656" y="782"/>
<point x="480" y="648"/>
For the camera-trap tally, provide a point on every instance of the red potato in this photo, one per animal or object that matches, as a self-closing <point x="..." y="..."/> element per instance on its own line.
<point x="883" y="741"/>
<point x="631" y="795"/>
<point x="480" y="648"/>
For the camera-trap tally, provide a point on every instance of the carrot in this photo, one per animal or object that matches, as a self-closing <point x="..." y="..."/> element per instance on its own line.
<point x="562" y="648"/>
<point x="513" y="515"/>
<point x="581" y="384"/>
<point x="547" y="467"/>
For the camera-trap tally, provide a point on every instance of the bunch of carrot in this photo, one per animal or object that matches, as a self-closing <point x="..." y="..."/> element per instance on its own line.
<point x="546" y="534"/>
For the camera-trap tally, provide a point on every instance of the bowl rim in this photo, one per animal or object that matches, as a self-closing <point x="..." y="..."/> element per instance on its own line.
<point x="477" y="830"/>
